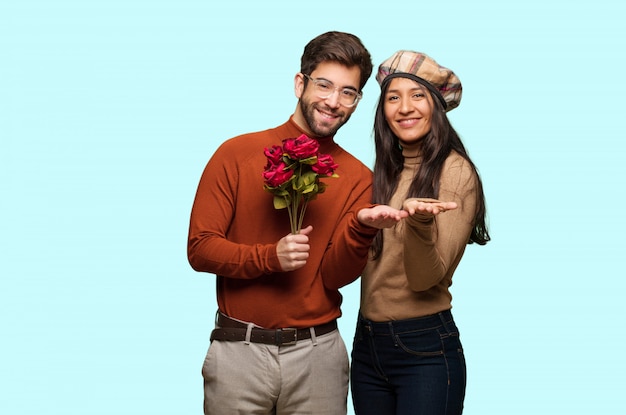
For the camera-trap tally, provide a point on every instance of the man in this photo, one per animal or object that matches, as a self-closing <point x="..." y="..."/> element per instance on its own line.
<point x="276" y="348"/>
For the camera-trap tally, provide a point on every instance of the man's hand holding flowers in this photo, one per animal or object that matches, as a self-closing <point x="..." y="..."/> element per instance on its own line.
<point x="293" y="249"/>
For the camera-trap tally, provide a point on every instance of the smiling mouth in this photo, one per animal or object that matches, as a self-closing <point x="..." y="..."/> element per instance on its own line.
<point x="327" y="115"/>
<point x="408" y="122"/>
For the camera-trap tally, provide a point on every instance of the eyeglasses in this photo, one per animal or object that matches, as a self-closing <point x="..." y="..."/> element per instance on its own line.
<point x="325" y="89"/>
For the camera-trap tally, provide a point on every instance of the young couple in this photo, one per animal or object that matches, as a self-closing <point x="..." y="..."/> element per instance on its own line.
<point x="275" y="348"/>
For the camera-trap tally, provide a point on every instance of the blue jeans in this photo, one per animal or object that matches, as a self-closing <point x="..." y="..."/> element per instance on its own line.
<point x="413" y="366"/>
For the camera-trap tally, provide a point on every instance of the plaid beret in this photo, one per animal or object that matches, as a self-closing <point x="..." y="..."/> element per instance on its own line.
<point x="442" y="82"/>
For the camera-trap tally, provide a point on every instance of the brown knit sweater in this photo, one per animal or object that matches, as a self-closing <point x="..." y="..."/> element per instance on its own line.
<point x="412" y="276"/>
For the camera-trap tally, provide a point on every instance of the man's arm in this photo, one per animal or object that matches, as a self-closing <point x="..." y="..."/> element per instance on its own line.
<point x="213" y="211"/>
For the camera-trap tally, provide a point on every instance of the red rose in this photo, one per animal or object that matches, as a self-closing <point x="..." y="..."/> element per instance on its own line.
<point x="276" y="175"/>
<point x="300" y="148"/>
<point x="325" y="165"/>
<point x="274" y="155"/>
<point x="292" y="175"/>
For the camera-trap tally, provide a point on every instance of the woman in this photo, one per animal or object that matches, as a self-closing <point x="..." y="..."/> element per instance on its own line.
<point x="407" y="357"/>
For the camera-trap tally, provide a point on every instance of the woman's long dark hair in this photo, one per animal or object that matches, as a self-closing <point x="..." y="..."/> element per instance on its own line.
<point x="435" y="148"/>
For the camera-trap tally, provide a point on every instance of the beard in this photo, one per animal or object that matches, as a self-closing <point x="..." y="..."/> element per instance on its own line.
<point x="322" y="128"/>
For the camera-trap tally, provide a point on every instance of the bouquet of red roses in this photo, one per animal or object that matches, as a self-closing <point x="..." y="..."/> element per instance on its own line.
<point x="293" y="173"/>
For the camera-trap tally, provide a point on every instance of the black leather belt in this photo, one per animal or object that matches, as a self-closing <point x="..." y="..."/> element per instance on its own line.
<point x="233" y="330"/>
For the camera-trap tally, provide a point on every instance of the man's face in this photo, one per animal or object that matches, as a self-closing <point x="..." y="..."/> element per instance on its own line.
<point x="322" y="117"/>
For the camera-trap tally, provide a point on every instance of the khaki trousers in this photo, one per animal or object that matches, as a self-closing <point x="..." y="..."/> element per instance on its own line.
<point x="307" y="378"/>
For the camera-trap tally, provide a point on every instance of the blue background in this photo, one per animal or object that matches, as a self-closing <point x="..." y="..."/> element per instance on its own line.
<point x="110" y="109"/>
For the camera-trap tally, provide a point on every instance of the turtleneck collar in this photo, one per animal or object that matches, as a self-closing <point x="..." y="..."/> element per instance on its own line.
<point x="411" y="154"/>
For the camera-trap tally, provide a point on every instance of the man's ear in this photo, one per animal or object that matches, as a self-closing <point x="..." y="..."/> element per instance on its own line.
<point x="298" y="85"/>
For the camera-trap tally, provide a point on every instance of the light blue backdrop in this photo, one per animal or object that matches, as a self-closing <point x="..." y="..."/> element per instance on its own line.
<point x="109" y="110"/>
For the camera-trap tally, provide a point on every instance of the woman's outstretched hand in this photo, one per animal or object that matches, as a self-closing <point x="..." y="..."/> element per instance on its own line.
<point x="427" y="206"/>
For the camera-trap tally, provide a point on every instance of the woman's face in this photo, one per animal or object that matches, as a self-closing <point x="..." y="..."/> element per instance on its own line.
<point x="408" y="108"/>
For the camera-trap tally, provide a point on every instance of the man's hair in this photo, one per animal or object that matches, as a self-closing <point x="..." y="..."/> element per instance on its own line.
<point x="340" y="47"/>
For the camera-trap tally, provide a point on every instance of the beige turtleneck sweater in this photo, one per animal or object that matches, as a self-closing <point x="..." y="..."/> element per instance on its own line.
<point x="412" y="276"/>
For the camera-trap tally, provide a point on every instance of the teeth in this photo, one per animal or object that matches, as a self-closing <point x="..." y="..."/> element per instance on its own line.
<point x="327" y="115"/>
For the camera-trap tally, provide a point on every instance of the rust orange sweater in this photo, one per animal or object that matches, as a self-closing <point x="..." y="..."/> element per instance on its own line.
<point x="234" y="230"/>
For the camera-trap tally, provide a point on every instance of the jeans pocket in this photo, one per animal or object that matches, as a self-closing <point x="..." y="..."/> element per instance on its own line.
<point x="420" y="343"/>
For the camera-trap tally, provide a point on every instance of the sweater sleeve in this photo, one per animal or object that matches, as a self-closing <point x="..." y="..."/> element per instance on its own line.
<point x="346" y="254"/>
<point x="212" y="214"/>
<point x="434" y="246"/>
<point x="347" y="250"/>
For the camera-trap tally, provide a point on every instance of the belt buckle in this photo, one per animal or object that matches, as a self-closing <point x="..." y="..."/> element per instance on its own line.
<point x="279" y="336"/>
